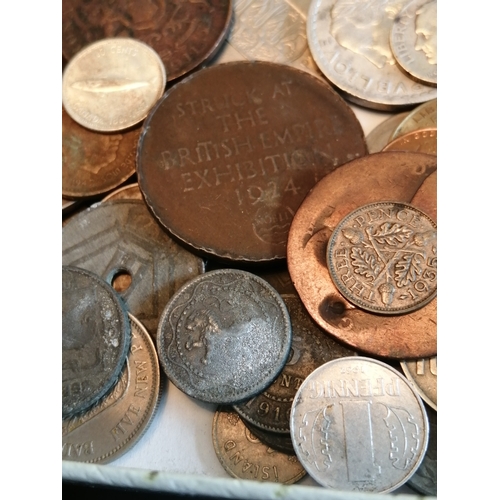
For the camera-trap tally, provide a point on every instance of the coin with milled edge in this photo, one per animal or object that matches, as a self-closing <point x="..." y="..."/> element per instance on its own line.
<point x="358" y="425"/>
<point x="239" y="158"/>
<point x="382" y="257"/>
<point x="311" y="347"/>
<point x="421" y="140"/>
<point x="95" y="339"/>
<point x="122" y="242"/>
<point x="112" y="84"/>
<point x="184" y="33"/>
<point x="413" y="40"/>
<point x="116" y="422"/>
<point x="376" y="177"/>
<point x="244" y="456"/>
<point x="423" y="116"/>
<point x="350" y="44"/>
<point x="422" y="373"/>
<point x="224" y="336"/>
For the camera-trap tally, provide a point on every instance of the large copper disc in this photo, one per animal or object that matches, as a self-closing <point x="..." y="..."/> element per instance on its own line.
<point x="376" y="177"/>
<point x="228" y="154"/>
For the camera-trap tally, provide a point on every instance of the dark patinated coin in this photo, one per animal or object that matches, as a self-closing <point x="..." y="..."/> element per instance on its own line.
<point x="121" y="242"/>
<point x="233" y="150"/>
<point x="224" y="336"/>
<point x="95" y="339"/>
<point x="94" y="163"/>
<point x="376" y="177"/>
<point x="184" y="33"/>
<point x="311" y="347"/>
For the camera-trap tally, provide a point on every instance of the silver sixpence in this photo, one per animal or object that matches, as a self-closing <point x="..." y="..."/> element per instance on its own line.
<point x="382" y="257"/>
<point x="95" y="339"/>
<point x="358" y="425"/>
<point x="224" y="336"/>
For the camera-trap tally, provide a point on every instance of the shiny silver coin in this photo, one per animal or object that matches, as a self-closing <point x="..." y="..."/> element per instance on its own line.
<point x="358" y="425"/>
<point x="95" y="339"/>
<point x="224" y="336"/>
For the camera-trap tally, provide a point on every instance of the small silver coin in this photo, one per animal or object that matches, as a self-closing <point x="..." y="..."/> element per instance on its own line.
<point x="95" y="339"/>
<point x="358" y="425"/>
<point x="224" y="336"/>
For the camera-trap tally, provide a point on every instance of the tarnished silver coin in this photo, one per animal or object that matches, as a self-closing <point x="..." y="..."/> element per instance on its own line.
<point x="382" y="257"/>
<point x="378" y="138"/>
<point x="244" y="456"/>
<point x="224" y="336"/>
<point x="350" y="44"/>
<point x="311" y="347"/>
<point x="116" y="422"/>
<point x="423" y="116"/>
<point x="422" y="374"/>
<point x="122" y="242"/>
<point x="413" y="40"/>
<point x="95" y="339"/>
<point x="112" y="84"/>
<point x="358" y="425"/>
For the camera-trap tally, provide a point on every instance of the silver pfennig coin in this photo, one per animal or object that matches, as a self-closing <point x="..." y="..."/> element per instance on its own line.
<point x="224" y="336"/>
<point x="117" y="421"/>
<point x="95" y="339"/>
<point x="382" y="257"/>
<point x="358" y="425"/>
<point x="350" y="43"/>
<point x="112" y="84"/>
<point x="413" y="40"/>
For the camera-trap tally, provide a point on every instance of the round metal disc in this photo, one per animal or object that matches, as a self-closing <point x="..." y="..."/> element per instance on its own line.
<point x="233" y="150"/>
<point x="95" y="339"/>
<point x="224" y="336"/>
<point x="358" y="425"/>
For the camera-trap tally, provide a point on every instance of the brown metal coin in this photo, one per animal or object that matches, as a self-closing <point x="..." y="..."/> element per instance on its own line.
<point x="94" y="163"/>
<point x="184" y="33"/>
<point x="129" y="192"/>
<point x="423" y="116"/>
<point x="421" y="141"/>
<point x="244" y="456"/>
<point x="229" y="153"/>
<point x="426" y="196"/>
<point x="376" y="177"/>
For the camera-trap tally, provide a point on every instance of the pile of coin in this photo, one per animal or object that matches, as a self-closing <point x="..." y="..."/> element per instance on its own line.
<point x="227" y="222"/>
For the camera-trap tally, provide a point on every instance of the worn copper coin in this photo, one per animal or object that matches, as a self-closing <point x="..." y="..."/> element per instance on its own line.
<point x="112" y="84"/>
<point x="311" y="347"/>
<point x="421" y="141"/>
<point x="358" y="425"/>
<point x="95" y="339"/>
<point x="382" y="257"/>
<point x="350" y="44"/>
<point x="238" y="158"/>
<point x="422" y="373"/>
<point x="413" y="40"/>
<point x="377" y="177"/>
<point x="122" y="242"/>
<point x="129" y="192"/>
<point x="423" y="116"/>
<point x="224" y="336"/>
<point x="94" y="163"/>
<point x="117" y="421"/>
<point x="381" y="134"/>
<point x="244" y="456"/>
<point x="426" y="196"/>
<point x="184" y="33"/>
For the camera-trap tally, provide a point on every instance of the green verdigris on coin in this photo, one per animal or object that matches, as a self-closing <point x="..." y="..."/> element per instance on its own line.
<point x="382" y="257"/>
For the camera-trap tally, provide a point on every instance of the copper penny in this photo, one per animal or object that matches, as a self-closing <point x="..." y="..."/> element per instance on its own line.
<point x="423" y="116"/>
<point x="129" y="192"/>
<point x="422" y="141"/>
<point x="426" y="196"/>
<point x="233" y="149"/>
<point x="184" y="33"/>
<point x="94" y="163"/>
<point x="377" y="177"/>
<point x="382" y="257"/>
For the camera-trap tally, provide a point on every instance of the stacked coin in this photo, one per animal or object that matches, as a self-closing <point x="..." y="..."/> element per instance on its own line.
<point x="246" y="170"/>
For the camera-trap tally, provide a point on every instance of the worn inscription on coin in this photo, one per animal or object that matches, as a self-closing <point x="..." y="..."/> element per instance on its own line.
<point x="95" y="339"/>
<point x="224" y="336"/>
<point x="383" y="257"/>
<point x="244" y="456"/>
<point x="422" y="373"/>
<point x="238" y="158"/>
<point x="358" y="425"/>
<point x="116" y="422"/>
